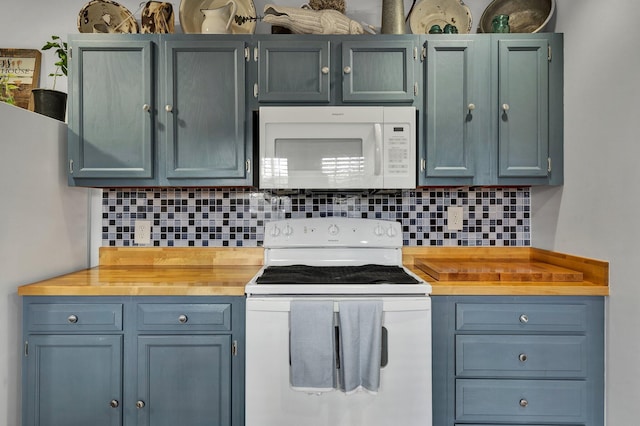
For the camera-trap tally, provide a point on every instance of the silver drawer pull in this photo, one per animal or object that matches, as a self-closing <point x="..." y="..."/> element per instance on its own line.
<point x="140" y="404"/>
<point x="524" y="402"/>
<point x="183" y="319"/>
<point x="325" y="70"/>
<point x="524" y="318"/>
<point x="72" y="319"/>
<point x="522" y="357"/>
<point x="114" y="403"/>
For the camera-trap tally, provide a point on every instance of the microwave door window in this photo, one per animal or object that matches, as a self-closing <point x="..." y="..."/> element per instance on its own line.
<point x="313" y="161"/>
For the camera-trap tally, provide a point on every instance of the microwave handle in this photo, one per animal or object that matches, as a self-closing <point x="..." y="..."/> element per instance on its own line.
<point x="378" y="155"/>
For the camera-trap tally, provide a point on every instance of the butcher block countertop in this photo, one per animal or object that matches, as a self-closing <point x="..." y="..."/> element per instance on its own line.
<point x="142" y="271"/>
<point x="518" y="271"/>
<point x="146" y="271"/>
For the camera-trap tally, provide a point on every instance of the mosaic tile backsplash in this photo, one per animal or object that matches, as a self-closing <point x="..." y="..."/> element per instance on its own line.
<point x="235" y="218"/>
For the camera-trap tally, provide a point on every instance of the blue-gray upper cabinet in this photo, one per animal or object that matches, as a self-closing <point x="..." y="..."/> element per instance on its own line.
<point x="203" y="109"/>
<point x="493" y="110"/>
<point x="158" y="110"/>
<point x="297" y="70"/>
<point x="455" y="113"/>
<point x="336" y="69"/>
<point x="111" y="109"/>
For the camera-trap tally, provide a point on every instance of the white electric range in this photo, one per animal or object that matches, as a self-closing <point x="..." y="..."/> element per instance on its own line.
<point x="337" y="259"/>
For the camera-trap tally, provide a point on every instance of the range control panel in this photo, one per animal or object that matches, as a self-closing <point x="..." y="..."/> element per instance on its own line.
<point x="332" y="232"/>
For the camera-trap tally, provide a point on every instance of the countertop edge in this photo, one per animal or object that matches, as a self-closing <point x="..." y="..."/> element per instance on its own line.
<point x="89" y="282"/>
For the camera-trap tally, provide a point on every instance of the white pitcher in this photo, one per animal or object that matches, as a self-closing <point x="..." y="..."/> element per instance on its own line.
<point x="218" y="20"/>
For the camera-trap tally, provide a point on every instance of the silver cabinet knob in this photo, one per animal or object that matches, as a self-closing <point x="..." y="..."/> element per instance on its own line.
<point x="146" y="107"/>
<point x="168" y="108"/>
<point x="182" y="319"/>
<point x="522" y="357"/>
<point x="325" y="70"/>
<point x="347" y="70"/>
<point x="471" y="107"/>
<point x="140" y="404"/>
<point x="505" y="107"/>
<point x="72" y="319"/>
<point x="114" y="403"/>
<point x="523" y="402"/>
<point x="524" y="318"/>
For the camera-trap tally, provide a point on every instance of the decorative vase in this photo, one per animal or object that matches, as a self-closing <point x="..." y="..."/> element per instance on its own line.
<point x="500" y="24"/>
<point x="51" y="103"/>
<point x="218" y="20"/>
<point x="393" y="17"/>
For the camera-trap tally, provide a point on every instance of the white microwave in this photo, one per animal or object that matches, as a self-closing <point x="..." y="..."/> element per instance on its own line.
<point x="337" y="147"/>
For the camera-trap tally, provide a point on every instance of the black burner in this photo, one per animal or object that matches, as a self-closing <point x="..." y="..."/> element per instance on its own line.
<point x="365" y="274"/>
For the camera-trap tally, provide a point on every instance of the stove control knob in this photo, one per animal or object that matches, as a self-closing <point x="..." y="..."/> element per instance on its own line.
<point x="379" y="231"/>
<point x="275" y="231"/>
<point x="391" y="232"/>
<point x="288" y="230"/>
<point x="333" y="229"/>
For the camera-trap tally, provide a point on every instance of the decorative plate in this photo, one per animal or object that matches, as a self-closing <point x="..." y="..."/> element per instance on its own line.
<point x="440" y="12"/>
<point x="106" y="16"/>
<point x="191" y="18"/>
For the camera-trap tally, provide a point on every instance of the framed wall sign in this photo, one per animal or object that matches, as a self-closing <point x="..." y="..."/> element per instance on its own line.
<point x="19" y="73"/>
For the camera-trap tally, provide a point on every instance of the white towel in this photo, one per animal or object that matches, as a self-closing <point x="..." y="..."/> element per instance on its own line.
<point x="360" y="345"/>
<point x="312" y="347"/>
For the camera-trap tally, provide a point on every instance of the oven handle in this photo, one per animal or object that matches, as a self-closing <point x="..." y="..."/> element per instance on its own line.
<point x="384" y="347"/>
<point x="378" y="155"/>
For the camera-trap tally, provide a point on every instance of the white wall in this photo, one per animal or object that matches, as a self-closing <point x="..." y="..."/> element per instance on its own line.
<point x="594" y="213"/>
<point x="43" y="229"/>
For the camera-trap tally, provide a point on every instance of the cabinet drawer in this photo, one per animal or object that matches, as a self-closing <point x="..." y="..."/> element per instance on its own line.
<point x="521" y="317"/>
<point x="70" y="317"/>
<point x="184" y="316"/>
<point x="521" y="356"/>
<point x="521" y="401"/>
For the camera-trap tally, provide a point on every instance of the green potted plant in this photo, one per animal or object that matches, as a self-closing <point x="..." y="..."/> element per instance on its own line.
<point x="52" y="102"/>
<point x="6" y="89"/>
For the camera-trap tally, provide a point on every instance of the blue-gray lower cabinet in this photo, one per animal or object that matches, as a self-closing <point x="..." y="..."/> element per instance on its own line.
<point x="525" y="360"/>
<point x="132" y="361"/>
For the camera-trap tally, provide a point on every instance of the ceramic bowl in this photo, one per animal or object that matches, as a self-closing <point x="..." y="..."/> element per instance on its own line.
<point x="427" y="13"/>
<point x="525" y="16"/>
<point x="106" y="16"/>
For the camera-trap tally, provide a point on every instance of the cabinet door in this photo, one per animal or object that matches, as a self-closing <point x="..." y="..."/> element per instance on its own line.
<point x="523" y="108"/>
<point x="381" y="71"/>
<point x="294" y="71"/>
<point x="204" y="111"/>
<point x="111" y="110"/>
<point x="184" y="380"/>
<point x="73" y="380"/>
<point x="456" y="114"/>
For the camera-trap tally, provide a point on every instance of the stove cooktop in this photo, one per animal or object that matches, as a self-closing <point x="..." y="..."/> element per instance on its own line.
<point x="365" y="274"/>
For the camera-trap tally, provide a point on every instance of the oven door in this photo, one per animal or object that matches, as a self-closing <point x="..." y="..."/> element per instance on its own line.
<point x="321" y="147"/>
<point x="404" y="397"/>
